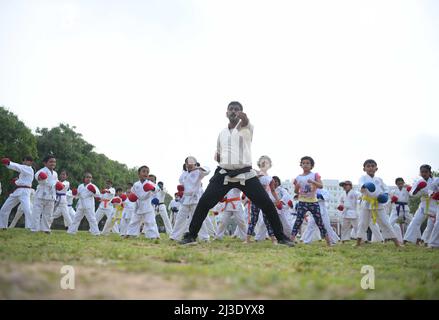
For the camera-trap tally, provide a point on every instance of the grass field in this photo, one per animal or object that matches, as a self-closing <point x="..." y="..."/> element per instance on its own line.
<point x="113" y="268"/>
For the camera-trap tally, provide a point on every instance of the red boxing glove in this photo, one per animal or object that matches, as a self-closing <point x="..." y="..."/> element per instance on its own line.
<point x="421" y="185"/>
<point x="409" y="188"/>
<point x="91" y="188"/>
<point x="6" y="161"/>
<point x="148" y="187"/>
<point x="435" y="196"/>
<point x="290" y="203"/>
<point x="340" y="207"/>
<point x="123" y="197"/>
<point x="42" y="176"/>
<point x="394" y="199"/>
<point x="59" y="186"/>
<point x="180" y="194"/>
<point x="74" y="191"/>
<point x="132" y="197"/>
<point x="180" y="188"/>
<point x="279" y="205"/>
<point x="116" y="200"/>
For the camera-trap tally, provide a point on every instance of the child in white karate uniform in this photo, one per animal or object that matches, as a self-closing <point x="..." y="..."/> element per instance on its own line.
<point x="399" y="214"/>
<point x="112" y="225"/>
<point x="128" y="210"/>
<point x="258" y="221"/>
<point x="161" y="208"/>
<point x="21" y="194"/>
<point x="70" y="197"/>
<point x="45" y="196"/>
<point x="232" y="209"/>
<point x="85" y="194"/>
<point x="142" y="193"/>
<point x="374" y="196"/>
<point x="190" y="180"/>
<point x="61" y="205"/>
<point x="348" y="206"/>
<point x="433" y="241"/>
<point x="106" y="207"/>
<point x="173" y="207"/>
<point x="282" y="207"/>
<point x="423" y="188"/>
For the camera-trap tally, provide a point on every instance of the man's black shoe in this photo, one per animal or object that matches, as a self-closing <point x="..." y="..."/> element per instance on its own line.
<point x="188" y="240"/>
<point x="286" y="242"/>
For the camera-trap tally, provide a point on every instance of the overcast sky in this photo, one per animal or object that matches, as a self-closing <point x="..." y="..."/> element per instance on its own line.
<point x="148" y="82"/>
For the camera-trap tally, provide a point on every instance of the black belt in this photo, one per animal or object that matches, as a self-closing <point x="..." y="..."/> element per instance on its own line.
<point x="219" y="177"/>
<point x="235" y="172"/>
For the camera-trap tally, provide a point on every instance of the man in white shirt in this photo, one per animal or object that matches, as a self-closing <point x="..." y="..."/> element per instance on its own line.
<point x="235" y="171"/>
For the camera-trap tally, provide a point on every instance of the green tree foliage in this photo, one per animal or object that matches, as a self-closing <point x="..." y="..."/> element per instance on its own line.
<point x="16" y="141"/>
<point x="76" y="155"/>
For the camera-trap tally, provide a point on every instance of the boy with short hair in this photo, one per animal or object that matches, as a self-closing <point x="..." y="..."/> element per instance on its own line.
<point x="374" y="197"/>
<point x="86" y="194"/>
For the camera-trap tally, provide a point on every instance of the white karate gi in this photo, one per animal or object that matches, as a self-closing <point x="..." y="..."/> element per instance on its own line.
<point x="399" y="211"/>
<point x="85" y="207"/>
<point x="232" y="209"/>
<point x="44" y="202"/>
<point x="69" y="197"/>
<point x="350" y="216"/>
<point x="27" y="219"/>
<point x="21" y="194"/>
<point x="173" y="207"/>
<point x="127" y="213"/>
<point x="192" y="194"/>
<point x="161" y="209"/>
<point x="433" y="241"/>
<point x="414" y="229"/>
<point x="61" y="206"/>
<point x="261" y="232"/>
<point x="366" y="209"/>
<point x="144" y="212"/>
<point x="112" y="224"/>
<point x="106" y="207"/>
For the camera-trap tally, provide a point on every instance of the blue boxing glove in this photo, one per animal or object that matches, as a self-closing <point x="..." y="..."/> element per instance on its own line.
<point x="155" y="202"/>
<point x="383" y="198"/>
<point x="320" y="196"/>
<point x="369" y="186"/>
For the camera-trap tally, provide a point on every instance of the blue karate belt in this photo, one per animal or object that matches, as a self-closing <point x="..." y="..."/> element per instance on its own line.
<point x="58" y="199"/>
<point x="400" y="205"/>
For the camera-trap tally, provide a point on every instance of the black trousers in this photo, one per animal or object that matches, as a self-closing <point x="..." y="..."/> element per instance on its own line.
<point x="253" y="189"/>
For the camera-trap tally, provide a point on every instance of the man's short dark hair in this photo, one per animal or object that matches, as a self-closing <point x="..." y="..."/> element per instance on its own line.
<point x="370" y="161"/>
<point x="235" y="103"/>
<point x="28" y="158"/>
<point x="277" y="179"/>
<point x="119" y="190"/>
<point x="397" y="180"/>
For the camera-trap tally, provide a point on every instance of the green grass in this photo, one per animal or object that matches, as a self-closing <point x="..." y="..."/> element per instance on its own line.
<point x="228" y="269"/>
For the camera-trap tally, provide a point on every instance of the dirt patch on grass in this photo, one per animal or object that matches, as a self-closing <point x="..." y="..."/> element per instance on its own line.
<point x="42" y="281"/>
